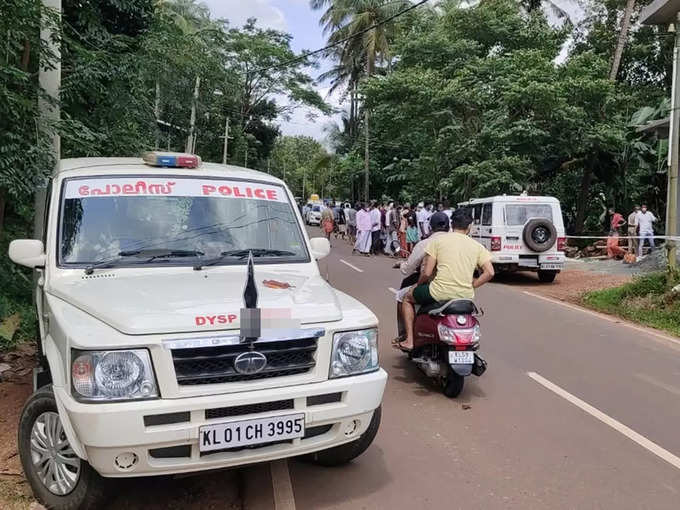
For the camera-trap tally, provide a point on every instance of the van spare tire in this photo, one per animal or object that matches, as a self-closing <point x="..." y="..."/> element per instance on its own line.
<point x="539" y="234"/>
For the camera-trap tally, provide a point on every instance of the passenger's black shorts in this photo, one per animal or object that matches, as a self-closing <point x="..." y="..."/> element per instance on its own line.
<point x="422" y="296"/>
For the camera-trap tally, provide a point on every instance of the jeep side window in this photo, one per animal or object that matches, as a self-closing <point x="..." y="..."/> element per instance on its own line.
<point x="478" y="214"/>
<point x="486" y="214"/>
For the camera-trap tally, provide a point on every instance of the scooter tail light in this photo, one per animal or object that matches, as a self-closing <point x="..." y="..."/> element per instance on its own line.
<point x="496" y="243"/>
<point x="455" y="336"/>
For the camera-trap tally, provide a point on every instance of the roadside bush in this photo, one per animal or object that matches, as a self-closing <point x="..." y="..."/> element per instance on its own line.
<point x="15" y="291"/>
<point x="647" y="300"/>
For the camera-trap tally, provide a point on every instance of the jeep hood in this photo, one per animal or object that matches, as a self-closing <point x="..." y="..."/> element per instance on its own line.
<point x="183" y="300"/>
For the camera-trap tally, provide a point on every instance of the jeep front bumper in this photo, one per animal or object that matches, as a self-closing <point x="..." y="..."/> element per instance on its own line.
<point x="159" y="437"/>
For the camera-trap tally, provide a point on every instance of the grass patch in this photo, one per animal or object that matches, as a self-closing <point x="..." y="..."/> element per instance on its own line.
<point x="646" y="300"/>
<point x="15" y="493"/>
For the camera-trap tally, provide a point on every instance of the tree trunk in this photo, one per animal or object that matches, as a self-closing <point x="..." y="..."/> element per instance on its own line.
<point x="366" y="155"/>
<point x="3" y="202"/>
<point x="192" y="120"/>
<point x="26" y="56"/>
<point x="623" y="37"/>
<point x="582" y="200"/>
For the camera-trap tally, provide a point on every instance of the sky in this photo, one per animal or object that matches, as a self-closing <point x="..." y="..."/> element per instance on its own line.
<point x="298" y="19"/>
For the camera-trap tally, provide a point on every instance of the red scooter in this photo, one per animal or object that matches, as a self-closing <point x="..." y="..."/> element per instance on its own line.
<point x="446" y="342"/>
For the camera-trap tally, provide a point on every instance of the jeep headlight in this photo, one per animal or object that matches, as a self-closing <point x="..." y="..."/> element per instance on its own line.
<point x="354" y="352"/>
<point x="101" y="376"/>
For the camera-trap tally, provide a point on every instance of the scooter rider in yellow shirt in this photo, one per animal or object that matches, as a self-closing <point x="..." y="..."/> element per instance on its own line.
<point x="456" y="256"/>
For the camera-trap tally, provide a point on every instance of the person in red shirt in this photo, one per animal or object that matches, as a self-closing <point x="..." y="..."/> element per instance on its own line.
<point x="616" y="222"/>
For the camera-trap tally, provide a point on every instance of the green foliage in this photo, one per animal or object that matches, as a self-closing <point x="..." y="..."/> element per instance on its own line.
<point x="646" y="300"/>
<point x="126" y="64"/>
<point x="301" y="160"/>
<point x="477" y="102"/>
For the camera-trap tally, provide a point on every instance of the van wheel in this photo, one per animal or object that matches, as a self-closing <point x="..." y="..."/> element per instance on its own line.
<point x="547" y="276"/>
<point x="59" y="479"/>
<point x="344" y="453"/>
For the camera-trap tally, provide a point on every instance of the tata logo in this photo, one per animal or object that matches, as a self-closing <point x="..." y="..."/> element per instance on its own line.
<point x="249" y="363"/>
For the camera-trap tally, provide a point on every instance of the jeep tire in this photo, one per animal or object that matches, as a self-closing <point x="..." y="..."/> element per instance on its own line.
<point x="339" y="455"/>
<point x="88" y="489"/>
<point x="539" y="234"/>
<point x="547" y="276"/>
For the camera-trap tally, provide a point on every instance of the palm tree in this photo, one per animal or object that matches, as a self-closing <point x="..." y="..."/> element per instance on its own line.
<point x="623" y="36"/>
<point x="347" y="76"/>
<point x="344" y="19"/>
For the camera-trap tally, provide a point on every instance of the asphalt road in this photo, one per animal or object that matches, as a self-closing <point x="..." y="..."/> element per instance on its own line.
<point x="574" y="412"/>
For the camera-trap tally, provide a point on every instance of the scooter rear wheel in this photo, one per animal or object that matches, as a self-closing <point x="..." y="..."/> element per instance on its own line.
<point x="453" y="385"/>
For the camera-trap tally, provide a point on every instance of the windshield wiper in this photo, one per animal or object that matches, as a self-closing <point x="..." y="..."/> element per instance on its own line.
<point x="241" y="254"/>
<point x="151" y="253"/>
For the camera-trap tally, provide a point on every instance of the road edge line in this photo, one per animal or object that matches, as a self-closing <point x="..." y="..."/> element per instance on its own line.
<point x="284" y="498"/>
<point x="641" y="440"/>
<point x="352" y="266"/>
<point x="609" y="318"/>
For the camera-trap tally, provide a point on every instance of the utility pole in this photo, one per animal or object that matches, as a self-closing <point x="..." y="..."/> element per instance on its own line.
<point x="157" y="111"/>
<point x="665" y="14"/>
<point x="192" y="121"/>
<point x="226" y="141"/>
<point x="49" y="78"/>
<point x="674" y="147"/>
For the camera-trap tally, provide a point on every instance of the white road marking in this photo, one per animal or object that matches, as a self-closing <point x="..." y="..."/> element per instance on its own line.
<point x="652" y="447"/>
<point x="350" y="265"/>
<point x="606" y="317"/>
<point x="393" y="291"/>
<point x="284" y="499"/>
<point x="659" y="384"/>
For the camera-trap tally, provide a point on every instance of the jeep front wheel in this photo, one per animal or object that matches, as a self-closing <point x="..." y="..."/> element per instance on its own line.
<point x="59" y="478"/>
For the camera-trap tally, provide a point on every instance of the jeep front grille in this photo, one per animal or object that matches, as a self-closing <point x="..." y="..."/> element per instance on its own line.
<point x="210" y="365"/>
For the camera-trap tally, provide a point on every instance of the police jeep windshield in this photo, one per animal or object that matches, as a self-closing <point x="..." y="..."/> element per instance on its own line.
<point x="134" y="220"/>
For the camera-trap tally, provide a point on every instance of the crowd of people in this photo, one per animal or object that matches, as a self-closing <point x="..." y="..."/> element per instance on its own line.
<point x="640" y="228"/>
<point x="389" y="228"/>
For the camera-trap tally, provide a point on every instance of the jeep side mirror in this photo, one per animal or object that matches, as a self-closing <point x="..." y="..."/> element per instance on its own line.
<point x="27" y="252"/>
<point x="320" y="247"/>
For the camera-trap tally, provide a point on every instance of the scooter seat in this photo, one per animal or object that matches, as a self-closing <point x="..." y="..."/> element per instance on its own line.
<point x="451" y="307"/>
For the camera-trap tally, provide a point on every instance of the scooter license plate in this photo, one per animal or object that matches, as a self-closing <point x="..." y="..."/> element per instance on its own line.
<point x="461" y="357"/>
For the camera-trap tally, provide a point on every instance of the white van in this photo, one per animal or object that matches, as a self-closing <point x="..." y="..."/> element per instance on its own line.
<point x="142" y="267"/>
<point x="523" y="233"/>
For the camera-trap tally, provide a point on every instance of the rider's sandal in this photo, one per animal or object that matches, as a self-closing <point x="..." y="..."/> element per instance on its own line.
<point x="397" y="344"/>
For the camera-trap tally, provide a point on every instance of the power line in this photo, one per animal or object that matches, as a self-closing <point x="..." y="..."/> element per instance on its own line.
<point x="337" y="43"/>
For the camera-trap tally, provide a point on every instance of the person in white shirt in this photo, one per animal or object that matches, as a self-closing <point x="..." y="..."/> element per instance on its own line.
<point x="421" y="218"/>
<point x="375" y="229"/>
<point x="645" y="220"/>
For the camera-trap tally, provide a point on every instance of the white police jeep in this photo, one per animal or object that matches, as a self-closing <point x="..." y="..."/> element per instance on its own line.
<point x="523" y="233"/>
<point x="156" y="361"/>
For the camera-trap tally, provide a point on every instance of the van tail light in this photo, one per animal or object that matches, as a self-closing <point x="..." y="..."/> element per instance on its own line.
<point x="561" y="243"/>
<point x="496" y="243"/>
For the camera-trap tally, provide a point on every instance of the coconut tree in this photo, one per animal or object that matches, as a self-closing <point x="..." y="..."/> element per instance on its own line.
<point x="350" y="21"/>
